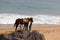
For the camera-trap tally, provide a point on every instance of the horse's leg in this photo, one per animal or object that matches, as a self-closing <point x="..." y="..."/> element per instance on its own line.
<point x="23" y="26"/>
<point x="16" y="27"/>
<point x="30" y="25"/>
<point x="26" y="26"/>
<point x="20" y="26"/>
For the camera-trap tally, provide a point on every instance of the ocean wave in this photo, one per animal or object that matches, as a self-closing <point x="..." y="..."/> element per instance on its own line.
<point x="38" y="19"/>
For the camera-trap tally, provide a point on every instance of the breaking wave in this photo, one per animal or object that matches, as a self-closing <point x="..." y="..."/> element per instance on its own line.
<point x="38" y="19"/>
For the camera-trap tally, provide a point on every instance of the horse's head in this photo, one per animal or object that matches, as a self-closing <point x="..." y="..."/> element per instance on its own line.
<point x="31" y="19"/>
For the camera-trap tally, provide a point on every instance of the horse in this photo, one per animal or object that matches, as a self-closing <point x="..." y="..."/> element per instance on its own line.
<point x="24" y="22"/>
<point x="31" y="20"/>
<point x="17" y="22"/>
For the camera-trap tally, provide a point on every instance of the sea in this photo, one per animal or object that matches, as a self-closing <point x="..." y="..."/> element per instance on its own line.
<point x="42" y="11"/>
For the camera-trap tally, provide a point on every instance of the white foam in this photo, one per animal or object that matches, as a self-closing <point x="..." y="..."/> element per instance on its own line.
<point x="38" y="19"/>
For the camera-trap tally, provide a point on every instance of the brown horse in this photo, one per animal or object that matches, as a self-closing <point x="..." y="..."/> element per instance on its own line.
<point x="17" y="22"/>
<point x="24" y="22"/>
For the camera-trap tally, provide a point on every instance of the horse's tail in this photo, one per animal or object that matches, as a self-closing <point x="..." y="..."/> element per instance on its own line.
<point x="15" y="23"/>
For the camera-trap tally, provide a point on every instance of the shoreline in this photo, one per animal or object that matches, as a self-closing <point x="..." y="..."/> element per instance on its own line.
<point x="33" y="25"/>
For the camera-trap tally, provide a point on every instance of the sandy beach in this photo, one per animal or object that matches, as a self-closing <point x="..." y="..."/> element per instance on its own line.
<point x="50" y="32"/>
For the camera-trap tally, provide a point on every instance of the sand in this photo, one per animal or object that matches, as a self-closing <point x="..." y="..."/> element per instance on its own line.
<point x="49" y="31"/>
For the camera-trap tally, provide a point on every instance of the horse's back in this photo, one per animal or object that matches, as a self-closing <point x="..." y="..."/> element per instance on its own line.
<point x="19" y="21"/>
